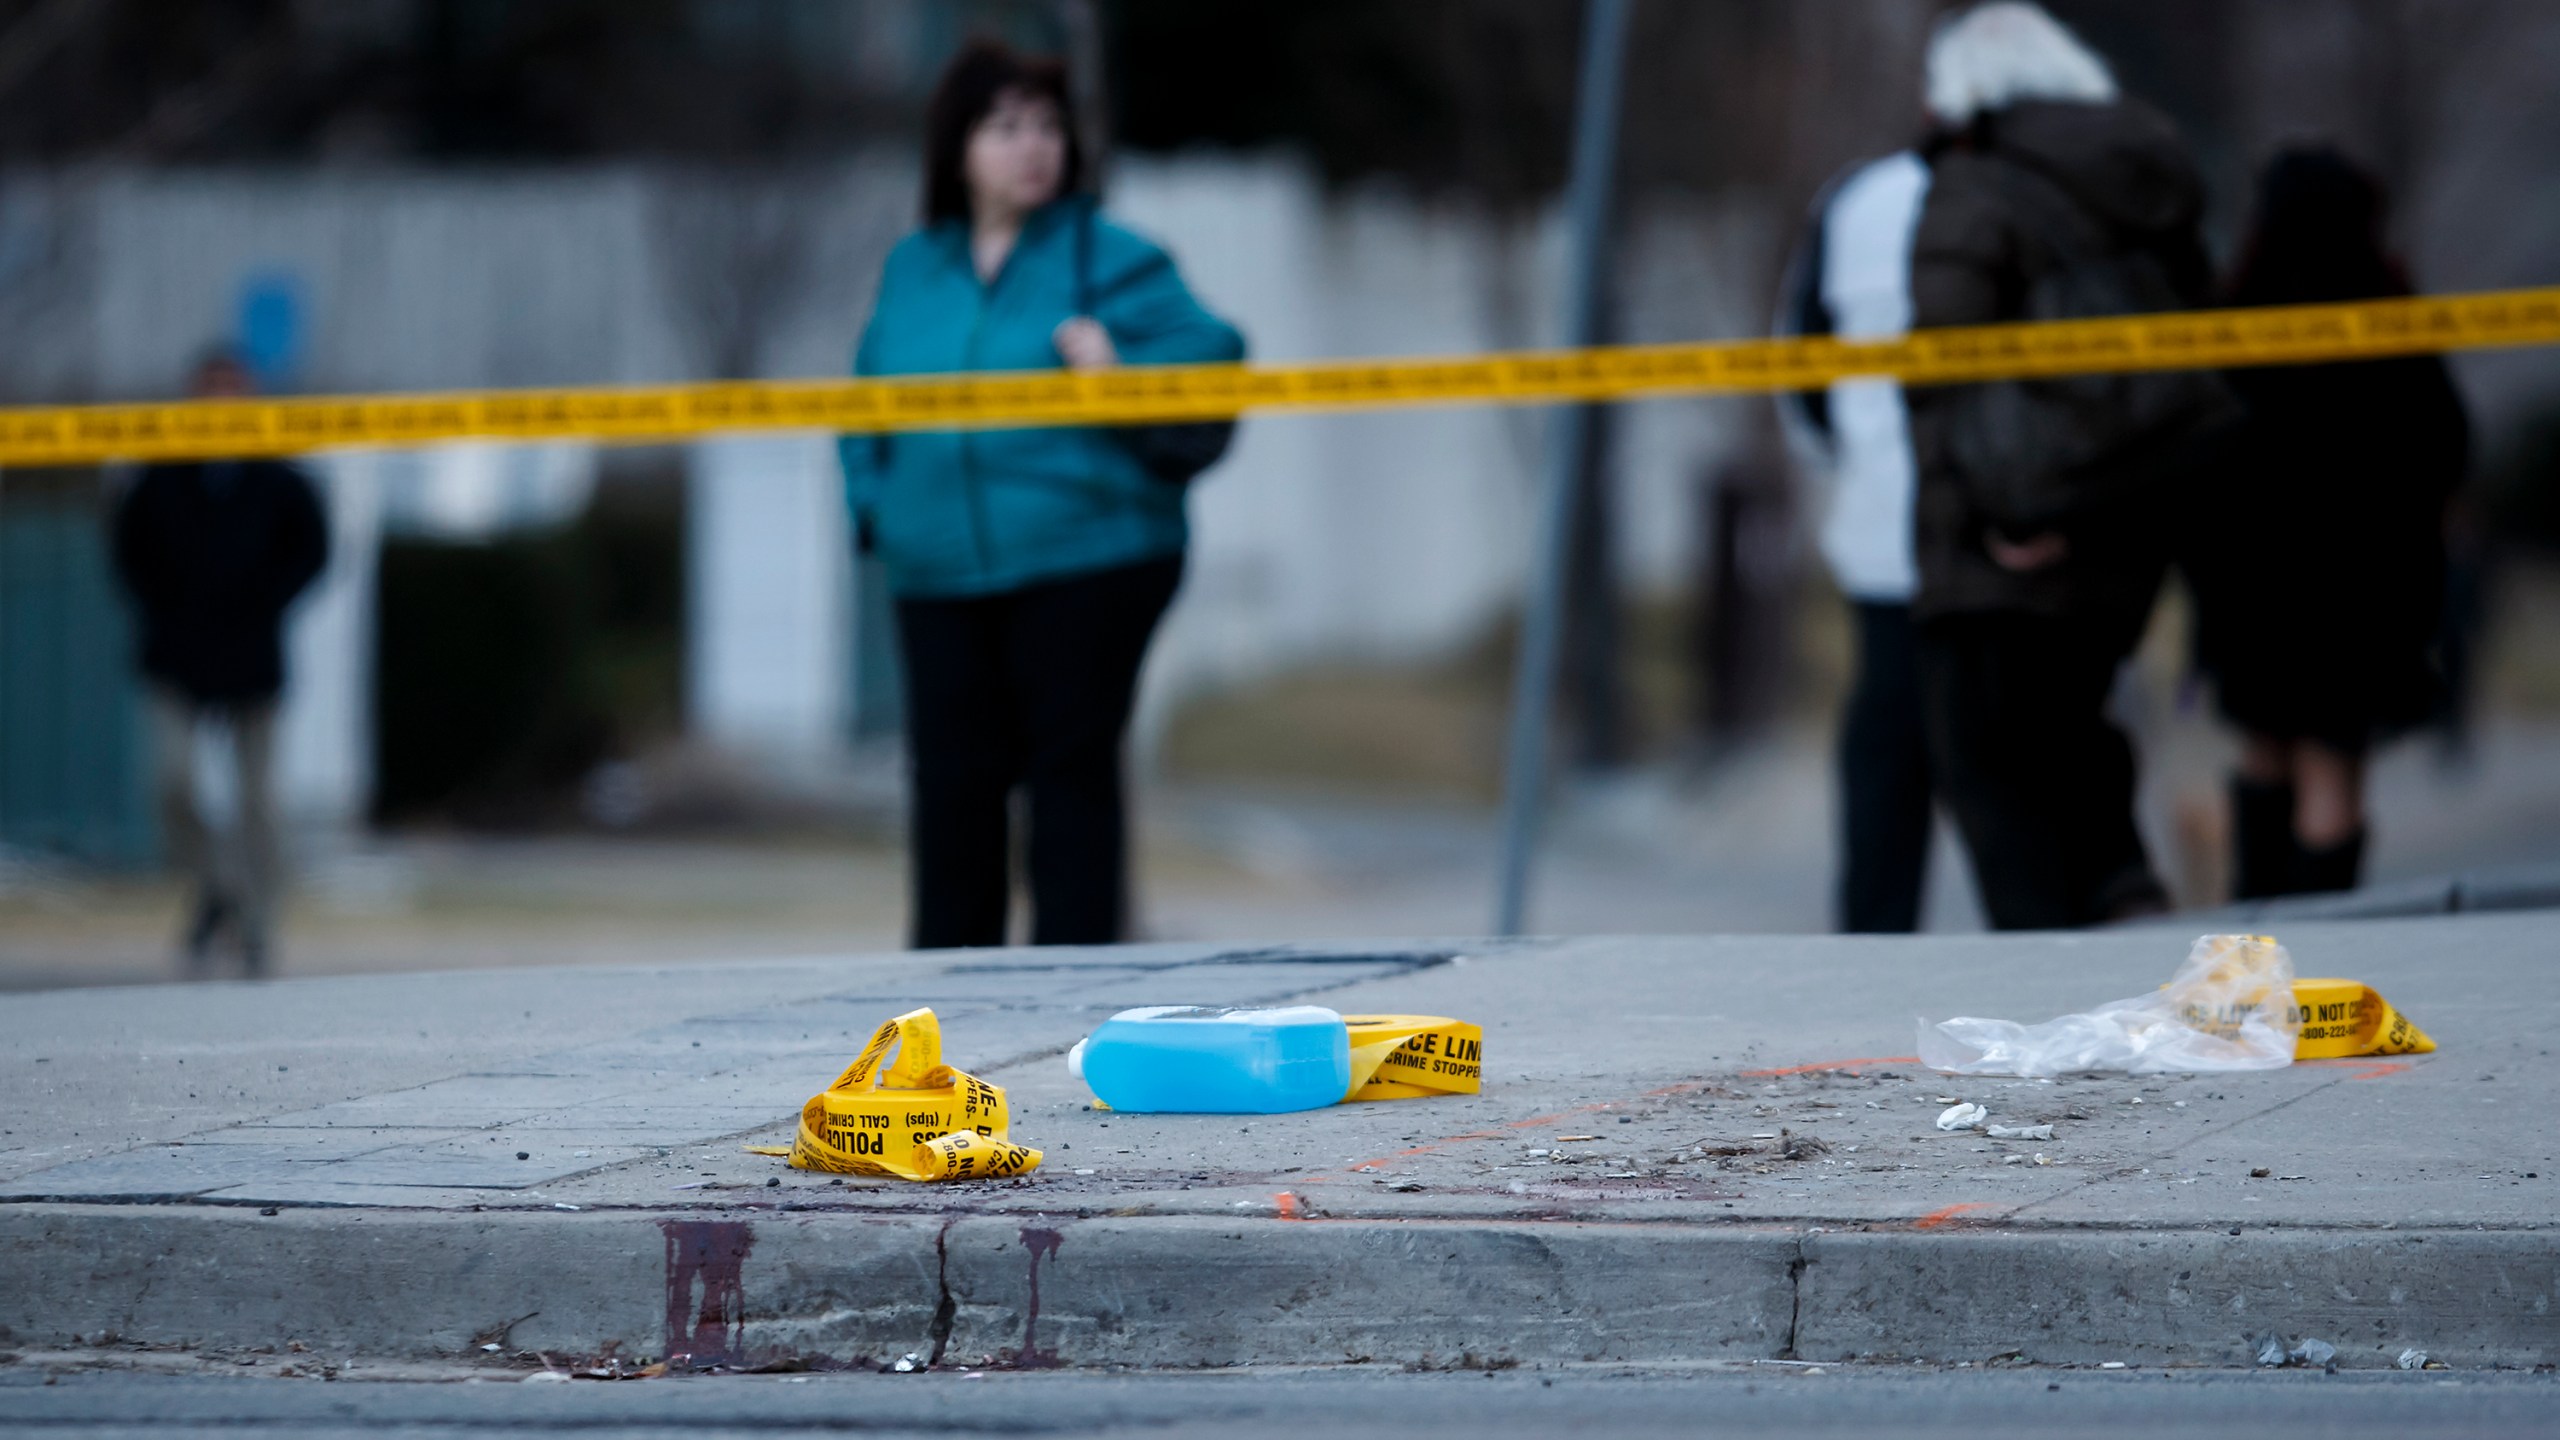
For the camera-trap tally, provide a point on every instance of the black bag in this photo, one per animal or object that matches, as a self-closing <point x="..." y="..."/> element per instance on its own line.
<point x="2036" y="454"/>
<point x="1174" y="454"/>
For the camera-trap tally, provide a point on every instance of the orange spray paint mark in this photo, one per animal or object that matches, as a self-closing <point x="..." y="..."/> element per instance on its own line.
<point x="1949" y="1215"/>
<point x="1858" y="1064"/>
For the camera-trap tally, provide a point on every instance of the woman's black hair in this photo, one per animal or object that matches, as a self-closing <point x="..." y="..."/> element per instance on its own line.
<point x="2317" y="234"/>
<point x="975" y="79"/>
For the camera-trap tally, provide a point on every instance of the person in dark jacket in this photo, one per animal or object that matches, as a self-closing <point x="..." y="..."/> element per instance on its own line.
<point x="2043" y="506"/>
<point x="2319" y="572"/>
<point x="213" y="553"/>
<point x="1030" y="566"/>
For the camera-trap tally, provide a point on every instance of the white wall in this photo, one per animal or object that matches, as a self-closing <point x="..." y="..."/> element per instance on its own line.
<point x="324" y="732"/>
<point x="769" y="600"/>
<point x="1399" y="535"/>
<point x="1377" y="536"/>
<point x="1388" y="536"/>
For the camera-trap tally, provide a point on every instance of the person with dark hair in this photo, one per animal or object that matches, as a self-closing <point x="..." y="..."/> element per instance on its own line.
<point x="1030" y="566"/>
<point x="2044" y="506"/>
<point x="213" y="553"/>
<point x="2319" y="573"/>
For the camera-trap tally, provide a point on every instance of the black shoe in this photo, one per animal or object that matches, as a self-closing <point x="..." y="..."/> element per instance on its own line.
<point x="2262" y="845"/>
<point x="2330" y="868"/>
<point x="2133" y="893"/>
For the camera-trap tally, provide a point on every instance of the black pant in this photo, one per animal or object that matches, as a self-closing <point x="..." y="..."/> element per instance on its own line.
<point x="2038" y="780"/>
<point x="1884" y="779"/>
<point x="1030" y="690"/>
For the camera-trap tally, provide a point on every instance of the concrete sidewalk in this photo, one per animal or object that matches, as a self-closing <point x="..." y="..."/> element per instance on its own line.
<point x="1687" y="1149"/>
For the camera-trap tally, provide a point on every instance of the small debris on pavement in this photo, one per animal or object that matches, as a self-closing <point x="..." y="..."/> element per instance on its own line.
<point x="546" y="1375"/>
<point x="907" y="1364"/>
<point x="2111" y="1365"/>
<point x="2019" y="1132"/>
<point x="2413" y="1358"/>
<point x="1963" y="1115"/>
<point x="2259" y="1172"/>
<point x="2311" y="1351"/>
<point x="1568" y="1139"/>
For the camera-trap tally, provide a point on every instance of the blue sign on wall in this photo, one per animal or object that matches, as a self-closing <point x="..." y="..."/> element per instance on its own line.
<point x="270" y="326"/>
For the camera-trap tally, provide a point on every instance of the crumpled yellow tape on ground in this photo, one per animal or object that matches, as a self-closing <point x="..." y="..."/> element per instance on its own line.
<point x="2342" y="1018"/>
<point x="1412" y="1057"/>
<point x="915" y="1119"/>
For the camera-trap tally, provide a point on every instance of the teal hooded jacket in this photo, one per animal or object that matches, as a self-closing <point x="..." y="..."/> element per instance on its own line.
<point x="982" y="512"/>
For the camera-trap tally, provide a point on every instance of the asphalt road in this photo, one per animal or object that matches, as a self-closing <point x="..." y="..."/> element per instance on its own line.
<point x="1761" y="1402"/>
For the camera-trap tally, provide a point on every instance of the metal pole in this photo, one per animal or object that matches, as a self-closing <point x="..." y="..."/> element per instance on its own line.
<point x="1085" y="67"/>
<point x="1595" y="155"/>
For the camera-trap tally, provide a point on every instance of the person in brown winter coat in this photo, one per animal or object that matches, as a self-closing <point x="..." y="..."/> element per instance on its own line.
<point x="2043" y="507"/>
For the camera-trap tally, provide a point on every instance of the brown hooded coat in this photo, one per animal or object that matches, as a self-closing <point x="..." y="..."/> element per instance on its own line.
<point x="2050" y="210"/>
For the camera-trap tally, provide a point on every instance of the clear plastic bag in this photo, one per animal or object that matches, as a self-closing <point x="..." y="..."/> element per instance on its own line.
<point x="2229" y="1007"/>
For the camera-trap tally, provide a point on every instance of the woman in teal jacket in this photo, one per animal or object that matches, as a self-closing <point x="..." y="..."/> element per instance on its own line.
<point x="1030" y="566"/>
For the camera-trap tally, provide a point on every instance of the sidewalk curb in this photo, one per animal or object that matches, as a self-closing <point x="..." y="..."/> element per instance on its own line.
<point x="744" y="1286"/>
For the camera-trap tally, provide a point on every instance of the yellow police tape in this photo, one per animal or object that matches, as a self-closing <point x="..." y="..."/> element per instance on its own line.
<point x="2214" y="339"/>
<point x="2343" y="1018"/>
<point x="917" y="1119"/>
<point x="2335" y="1019"/>
<point x="1413" y="1057"/>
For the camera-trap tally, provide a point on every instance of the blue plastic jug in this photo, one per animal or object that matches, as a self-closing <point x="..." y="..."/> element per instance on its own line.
<point x="1217" y="1061"/>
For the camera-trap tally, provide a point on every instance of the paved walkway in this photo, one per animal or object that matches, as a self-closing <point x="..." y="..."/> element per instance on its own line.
<point x="1694" y="1148"/>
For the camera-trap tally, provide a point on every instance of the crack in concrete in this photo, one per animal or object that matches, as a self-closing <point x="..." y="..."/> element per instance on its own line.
<point x="2209" y="1131"/>
<point x="946" y="1309"/>
<point x="1795" y="1299"/>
